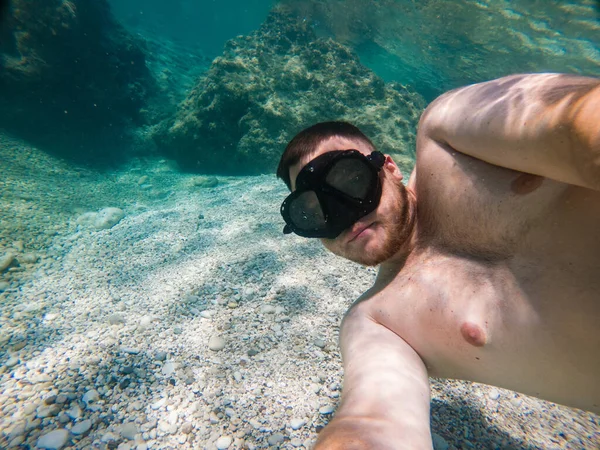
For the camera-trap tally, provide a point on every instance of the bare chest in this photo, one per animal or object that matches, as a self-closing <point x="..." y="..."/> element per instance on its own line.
<point x="466" y="206"/>
<point x="486" y="323"/>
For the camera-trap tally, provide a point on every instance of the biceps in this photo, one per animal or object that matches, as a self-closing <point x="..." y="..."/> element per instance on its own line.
<point x="544" y="124"/>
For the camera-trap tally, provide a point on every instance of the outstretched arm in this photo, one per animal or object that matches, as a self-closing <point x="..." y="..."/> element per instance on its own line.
<point x="385" y="399"/>
<point x="544" y="124"/>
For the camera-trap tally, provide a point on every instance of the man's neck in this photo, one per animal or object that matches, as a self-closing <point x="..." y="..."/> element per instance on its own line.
<point x="392" y="266"/>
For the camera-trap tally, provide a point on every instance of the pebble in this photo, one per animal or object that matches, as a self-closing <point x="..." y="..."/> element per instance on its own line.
<point x="267" y="309"/>
<point x="439" y="443"/>
<point x="81" y="427"/>
<point x="276" y="439"/>
<point x="160" y="355"/>
<point x="169" y="368"/>
<point x="129" y="430"/>
<point x="6" y="261"/>
<point x="187" y="428"/>
<point x="116" y="319"/>
<point x="320" y="343"/>
<point x="216" y="343"/>
<point x="296" y="442"/>
<point x="224" y="442"/>
<point x="296" y="424"/>
<point x="12" y="362"/>
<point x="90" y="397"/>
<point x="16" y="442"/>
<point x="494" y="394"/>
<point x="4" y="285"/>
<point x="75" y="412"/>
<point x="326" y="409"/>
<point x="54" y="440"/>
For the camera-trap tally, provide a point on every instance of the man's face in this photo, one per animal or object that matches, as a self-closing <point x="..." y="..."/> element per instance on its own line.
<point x="380" y="234"/>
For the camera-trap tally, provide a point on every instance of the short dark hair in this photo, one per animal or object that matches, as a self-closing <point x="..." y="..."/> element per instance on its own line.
<point x="307" y="141"/>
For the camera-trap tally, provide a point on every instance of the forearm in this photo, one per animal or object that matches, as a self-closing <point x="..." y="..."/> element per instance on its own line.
<point x="545" y="124"/>
<point x="385" y="398"/>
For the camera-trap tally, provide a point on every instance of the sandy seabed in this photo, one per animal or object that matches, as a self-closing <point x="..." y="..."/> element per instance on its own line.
<point x="193" y="322"/>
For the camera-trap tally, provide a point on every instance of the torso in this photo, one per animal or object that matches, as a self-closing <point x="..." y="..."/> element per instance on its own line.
<point x="504" y="285"/>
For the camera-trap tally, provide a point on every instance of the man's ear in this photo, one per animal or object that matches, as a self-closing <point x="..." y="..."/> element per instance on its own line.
<point x="392" y="169"/>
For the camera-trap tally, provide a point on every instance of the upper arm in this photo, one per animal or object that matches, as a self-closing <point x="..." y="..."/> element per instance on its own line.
<point x="385" y="398"/>
<point x="544" y="124"/>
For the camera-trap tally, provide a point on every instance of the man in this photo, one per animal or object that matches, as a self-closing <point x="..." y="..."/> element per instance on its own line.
<point x="489" y="257"/>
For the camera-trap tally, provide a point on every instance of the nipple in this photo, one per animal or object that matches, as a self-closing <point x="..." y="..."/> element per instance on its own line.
<point x="473" y="334"/>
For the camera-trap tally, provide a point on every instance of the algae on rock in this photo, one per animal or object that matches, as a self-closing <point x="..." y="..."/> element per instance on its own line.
<point x="268" y="86"/>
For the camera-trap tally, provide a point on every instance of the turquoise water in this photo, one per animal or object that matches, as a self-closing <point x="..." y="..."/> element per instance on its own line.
<point x="141" y="254"/>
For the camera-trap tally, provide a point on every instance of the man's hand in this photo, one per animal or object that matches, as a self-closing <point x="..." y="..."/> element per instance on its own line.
<point x="544" y="124"/>
<point x="385" y="399"/>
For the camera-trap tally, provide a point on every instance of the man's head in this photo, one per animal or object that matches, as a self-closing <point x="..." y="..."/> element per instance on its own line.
<point x="380" y="234"/>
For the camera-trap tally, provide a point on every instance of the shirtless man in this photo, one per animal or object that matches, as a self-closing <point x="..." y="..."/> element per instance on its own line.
<point x="489" y="257"/>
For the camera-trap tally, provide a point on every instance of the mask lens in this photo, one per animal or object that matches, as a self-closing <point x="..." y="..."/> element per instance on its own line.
<point x="306" y="213"/>
<point x="351" y="176"/>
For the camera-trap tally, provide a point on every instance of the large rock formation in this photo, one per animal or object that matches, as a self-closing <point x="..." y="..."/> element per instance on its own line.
<point x="268" y="86"/>
<point x="71" y="78"/>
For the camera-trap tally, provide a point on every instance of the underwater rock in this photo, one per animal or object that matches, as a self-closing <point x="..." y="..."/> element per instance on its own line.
<point x="108" y="218"/>
<point x="268" y="86"/>
<point x="72" y="70"/>
<point x="205" y="182"/>
<point x="102" y="220"/>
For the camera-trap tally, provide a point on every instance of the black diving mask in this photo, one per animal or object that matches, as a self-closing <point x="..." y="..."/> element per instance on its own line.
<point x="333" y="191"/>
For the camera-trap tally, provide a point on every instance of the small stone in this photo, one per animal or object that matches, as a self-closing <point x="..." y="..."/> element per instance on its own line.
<point x="439" y="443"/>
<point x="276" y="439"/>
<point x="267" y="309"/>
<point x="130" y="350"/>
<point x="29" y="408"/>
<point x="142" y="179"/>
<point x="6" y="261"/>
<point x="145" y="322"/>
<point x="216" y="343"/>
<point x="81" y="427"/>
<point x="4" y="285"/>
<point x="54" y="440"/>
<point x="116" y="319"/>
<point x="296" y="442"/>
<point x="19" y="346"/>
<point x="50" y="400"/>
<point x="237" y="376"/>
<point x="296" y="424"/>
<point x="326" y="409"/>
<point x="90" y="397"/>
<point x="494" y="394"/>
<point x="61" y="398"/>
<point x="160" y="355"/>
<point x="187" y="428"/>
<point x="12" y="362"/>
<point x="320" y="343"/>
<point x="253" y="352"/>
<point x="16" y="442"/>
<point x="207" y="314"/>
<point x="29" y="258"/>
<point x="224" y="442"/>
<point x="129" y="430"/>
<point x="169" y="368"/>
<point x="75" y="412"/>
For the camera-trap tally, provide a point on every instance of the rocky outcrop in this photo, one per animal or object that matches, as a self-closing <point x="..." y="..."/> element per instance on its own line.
<point x="271" y="84"/>
<point x="71" y="78"/>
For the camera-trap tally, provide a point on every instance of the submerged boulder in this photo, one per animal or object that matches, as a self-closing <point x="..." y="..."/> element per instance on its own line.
<point x="71" y="77"/>
<point x="268" y="86"/>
